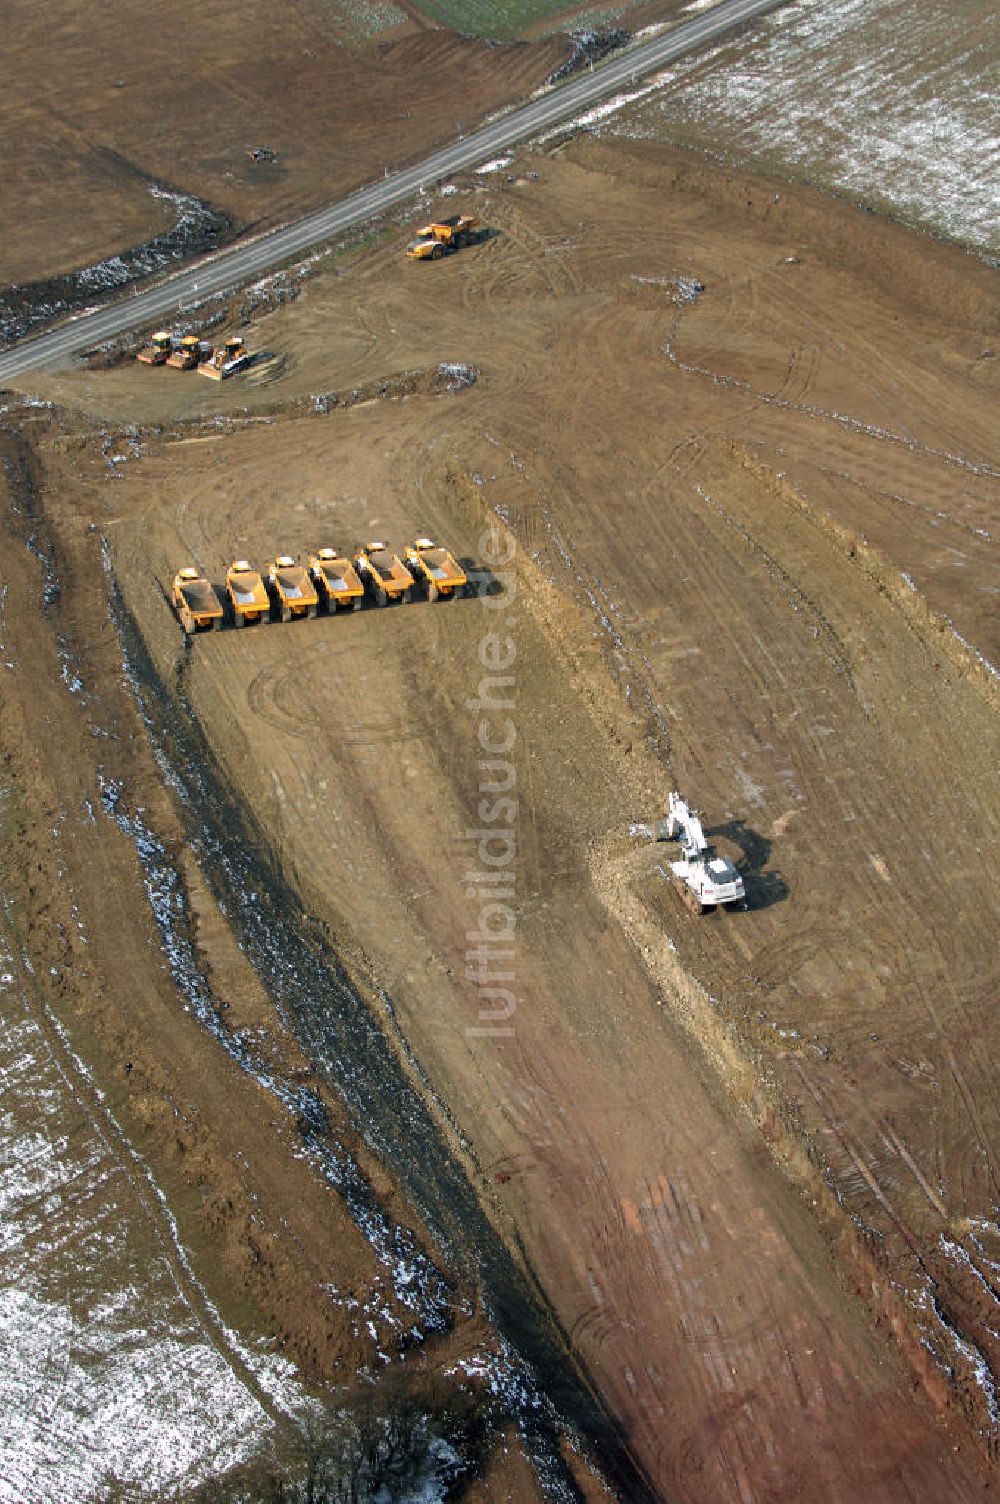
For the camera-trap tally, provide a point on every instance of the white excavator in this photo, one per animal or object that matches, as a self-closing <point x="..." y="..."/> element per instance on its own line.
<point x="704" y="879"/>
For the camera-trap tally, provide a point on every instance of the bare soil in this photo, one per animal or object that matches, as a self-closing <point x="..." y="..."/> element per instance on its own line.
<point x="742" y="447"/>
<point x="98" y="104"/>
<point x="296" y="1233"/>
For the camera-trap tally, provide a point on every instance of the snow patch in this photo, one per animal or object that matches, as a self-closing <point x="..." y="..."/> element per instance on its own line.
<point x="892" y="108"/>
<point x="608" y="107"/>
<point x="108" y="1365"/>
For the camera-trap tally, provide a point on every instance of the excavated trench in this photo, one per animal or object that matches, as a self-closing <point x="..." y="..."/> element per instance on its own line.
<point x="347" y="1046"/>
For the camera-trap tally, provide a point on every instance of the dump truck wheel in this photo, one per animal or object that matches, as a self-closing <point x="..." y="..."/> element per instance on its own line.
<point x="437" y="253"/>
<point x="432" y="592"/>
<point x="286" y="613"/>
<point x="239" y="620"/>
<point x="381" y="596"/>
<point x="187" y="622"/>
<point x="357" y="603"/>
<point x="310" y="612"/>
<point x="217" y="624"/>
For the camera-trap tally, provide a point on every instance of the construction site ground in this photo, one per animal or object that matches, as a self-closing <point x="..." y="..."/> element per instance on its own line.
<point x="337" y="91"/>
<point x="740" y="448"/>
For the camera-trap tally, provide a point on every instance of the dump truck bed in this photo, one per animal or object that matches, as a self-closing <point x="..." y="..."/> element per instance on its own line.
<point x="248" y="591"/>
<point x="293" y="584"/>
<point x="292" y="587"/>
<point x="435" y="568"/>
<point x="442" y="568"/>
<point x="200" y="597"/>
<point x="455" y="224"/>
<point x="390" y="571"/>
<point x="338" y="578"/>
<point x="195" y="601"/>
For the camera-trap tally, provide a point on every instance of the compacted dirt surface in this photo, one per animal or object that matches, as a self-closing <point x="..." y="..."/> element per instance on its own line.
<point x="93" y="117"/>
<point x="721" y="460"/>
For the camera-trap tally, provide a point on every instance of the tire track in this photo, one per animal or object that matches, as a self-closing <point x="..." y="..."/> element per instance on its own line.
<point x="818" y="414"/>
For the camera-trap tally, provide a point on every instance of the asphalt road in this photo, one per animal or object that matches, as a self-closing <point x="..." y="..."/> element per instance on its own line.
<point x="253" y="258"/>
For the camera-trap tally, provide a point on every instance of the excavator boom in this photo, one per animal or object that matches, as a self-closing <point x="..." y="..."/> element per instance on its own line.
<point x="702" y="877"/>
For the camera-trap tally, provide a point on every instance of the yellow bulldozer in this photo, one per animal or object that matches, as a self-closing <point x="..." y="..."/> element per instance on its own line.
<point x="441" y="236"/>
<point x="248" y="598"/>
<point x="195" y="601"/>
<point x="384" y="573"/>
<point x="230" y="358"/>
<point x="336" y="580"/>
<point x="157" y="351"/>
<point x="435" y="568"/>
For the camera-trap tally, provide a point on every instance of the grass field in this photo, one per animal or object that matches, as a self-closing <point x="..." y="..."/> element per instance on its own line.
<point x="508" y="19"/>
<point x="363" y="19"/>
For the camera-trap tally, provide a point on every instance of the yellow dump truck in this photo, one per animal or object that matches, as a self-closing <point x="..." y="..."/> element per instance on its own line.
<point x="384" y="574"/>
<point x="157" y="351"/>
<point x="435" y="568"/>
<point x="434" y="240"/>
<point x="230" y="358"/>
<point x="248" y="598"/>
<point x="195" y="601"/>
<point x="292" y="590"/>
<point x="336" y="580"/>
<point x="188" y="353"/>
